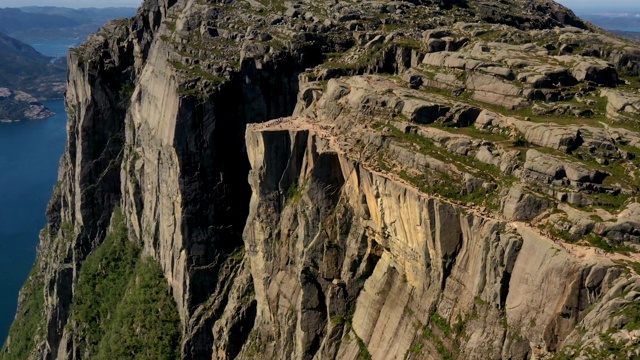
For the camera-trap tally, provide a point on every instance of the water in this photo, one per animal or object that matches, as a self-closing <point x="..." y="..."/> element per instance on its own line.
<point x="55" y="48"/>
<point x="30" y="152"/>
<point x="633" y="29"/>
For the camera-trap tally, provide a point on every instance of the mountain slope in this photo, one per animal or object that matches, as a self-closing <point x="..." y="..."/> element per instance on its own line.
<point x="351" y="180"/>
<point x="48" y="22"/>
<point x="16" y="106"/>
<point x="23" y="68"/>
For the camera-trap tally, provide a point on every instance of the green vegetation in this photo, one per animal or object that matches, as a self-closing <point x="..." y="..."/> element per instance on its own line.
<point x="146" y="324"/>
<point x="440" y="323"/>
<point x="29" y="322"/>
<point x="428" y="334"/>
<point x="295" y="192"/>
<point x="600" y="242"/>
<point x="610" y="202"/>
<point x="123" y="308"/>
<point x="345" y="319"/>
<point x="610" y="349"/>
<point x="102" y="282"/>
<point x="633" y="265"/>
<point x="445" y="184"/>
<point x="458" y="326"/>
<point x="632" y="312"/>
<point x="364" y="352"/>
<point x="438" y="332"/>
<point x="416" y="348"/>
<point x="427" y="147"/>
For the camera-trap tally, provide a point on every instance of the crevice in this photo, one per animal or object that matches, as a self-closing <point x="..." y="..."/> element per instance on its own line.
<point x="240" y="330"/>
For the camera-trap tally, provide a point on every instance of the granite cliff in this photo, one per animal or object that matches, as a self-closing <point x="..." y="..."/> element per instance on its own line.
<point x="343" y="180"/>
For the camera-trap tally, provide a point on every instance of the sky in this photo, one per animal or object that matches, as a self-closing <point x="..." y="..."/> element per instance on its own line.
<point x="574" y="4"/>
<point x="597" y="4"/>
<point x="71" y="3"/>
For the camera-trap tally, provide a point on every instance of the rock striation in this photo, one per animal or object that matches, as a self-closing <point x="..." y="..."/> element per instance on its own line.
<point x="354" y="180"/>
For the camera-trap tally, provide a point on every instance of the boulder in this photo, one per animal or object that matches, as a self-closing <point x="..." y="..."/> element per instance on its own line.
<point x="627" y="226"/>
<point x="422" y="111"/>
<point x="520" y="205"/>
<point x="590" y="69"/>
<point x="545" y="168"/>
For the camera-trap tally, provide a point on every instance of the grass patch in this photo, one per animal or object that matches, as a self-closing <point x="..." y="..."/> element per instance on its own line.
<point x="600" y="242"/>
<point x="364" y="352"/>
<point x="445" y="353"/>
<point x="416" y="348"/>
<point x="29" y="324"/>
<point x="626" y="264"/>
<point x="295" y="192"/>
<point x="102" y="281"/>
<point x="632" y="312"/>
<point x="610" y="202"/>
<point x="146" y="324"/>
<point x="122" y="307"/>
<point x="441" y="323"/>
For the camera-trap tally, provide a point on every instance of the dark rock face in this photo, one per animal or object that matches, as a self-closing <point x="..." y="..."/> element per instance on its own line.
<point x="89" y="173"/>
<point x="344" y="180"/>
<point x="540" y="15"/>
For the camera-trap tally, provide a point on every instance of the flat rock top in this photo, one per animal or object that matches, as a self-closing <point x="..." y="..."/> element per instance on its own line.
<point x="516" y="108"/>
<point x="452" y="97"/>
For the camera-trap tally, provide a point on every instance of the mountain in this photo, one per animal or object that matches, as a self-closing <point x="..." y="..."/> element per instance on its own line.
<point x="23" y="68"/>
<point x="47" y="23"/>
<point x="630" y="35"/>
<point x="343" y="180"/>
<point x="16" y="106"/>
<point x="629" y="21"/>
<point x="624" y="24"/>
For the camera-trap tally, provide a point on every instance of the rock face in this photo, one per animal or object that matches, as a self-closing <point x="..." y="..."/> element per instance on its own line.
<point x="384" y="180"/>
<point x="18" y="105"/>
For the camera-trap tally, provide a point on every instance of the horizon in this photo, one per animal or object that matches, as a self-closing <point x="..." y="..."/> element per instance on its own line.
<point x="575" y="5"/>
<point x="74" y="4"/>
<point x="611" y="5"/>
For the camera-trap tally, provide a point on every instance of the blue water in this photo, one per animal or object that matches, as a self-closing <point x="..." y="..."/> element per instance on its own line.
<point x="55" y="48"/>
<point x="634" y="29"/>
<point x="29" y="155"/>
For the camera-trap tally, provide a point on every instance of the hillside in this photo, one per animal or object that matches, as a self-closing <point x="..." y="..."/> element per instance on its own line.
<point x="23" y="68"/>
<point x="421" y="179"/>
<point x="48" y="22"/>
<point x="16" y="106"/>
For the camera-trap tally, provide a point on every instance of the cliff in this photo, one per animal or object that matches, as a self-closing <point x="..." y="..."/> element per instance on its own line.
<point x="351" y="180"/>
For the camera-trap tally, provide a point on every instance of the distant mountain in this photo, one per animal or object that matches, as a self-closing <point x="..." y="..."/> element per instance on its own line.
<point x="23" y="68"/>
<point x="630" y="35"/>
<point x="621" y="21"/>
<point x="18" y="105"/>
<point x="625" y="24"/>
<point x="48" y="22"/>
